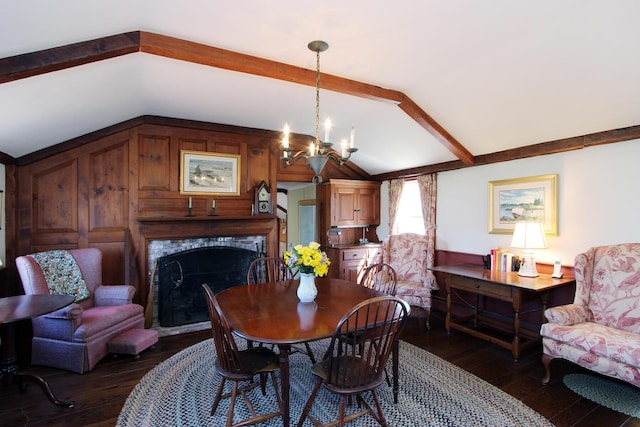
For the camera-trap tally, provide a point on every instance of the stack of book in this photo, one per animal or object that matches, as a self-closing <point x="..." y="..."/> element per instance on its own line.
<point x="503" y="260"/>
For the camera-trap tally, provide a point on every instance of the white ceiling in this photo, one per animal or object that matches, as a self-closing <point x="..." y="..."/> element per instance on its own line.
<point x="496" y="74"/>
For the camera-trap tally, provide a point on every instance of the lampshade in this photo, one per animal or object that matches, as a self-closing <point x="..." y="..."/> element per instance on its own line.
<point x="527" y="236"/>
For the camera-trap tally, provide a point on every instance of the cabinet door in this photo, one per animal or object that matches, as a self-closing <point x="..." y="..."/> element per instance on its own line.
<point x="354" y="261"/>
<point x="352" y="271"/>
<point x="344" y="211"/>
<point x="368" y="206"/>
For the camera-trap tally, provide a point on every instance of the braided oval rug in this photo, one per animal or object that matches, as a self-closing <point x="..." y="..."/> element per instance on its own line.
<point x="433" y="392"/>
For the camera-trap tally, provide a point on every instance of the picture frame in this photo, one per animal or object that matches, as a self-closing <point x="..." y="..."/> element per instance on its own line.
<point x="533" y="198"/>
<point x="209" y="173"/>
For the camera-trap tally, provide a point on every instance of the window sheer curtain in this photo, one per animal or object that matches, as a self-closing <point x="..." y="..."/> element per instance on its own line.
<point x="428" y="189"/>
<point x="395" y="191"/>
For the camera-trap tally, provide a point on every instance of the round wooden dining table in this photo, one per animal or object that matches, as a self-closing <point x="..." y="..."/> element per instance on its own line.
<point x="271" y="313"/>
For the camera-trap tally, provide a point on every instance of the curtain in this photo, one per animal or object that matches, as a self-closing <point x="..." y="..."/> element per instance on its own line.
<point x="395" y="190"/>
<point x="428" y="188"/>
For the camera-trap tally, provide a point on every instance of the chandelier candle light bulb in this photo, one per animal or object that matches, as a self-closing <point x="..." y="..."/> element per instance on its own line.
<point x="327" y="128"/>
<point x="285" y="139"/>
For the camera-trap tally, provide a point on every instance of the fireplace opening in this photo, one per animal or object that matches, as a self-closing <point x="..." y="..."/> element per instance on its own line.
<point x="181" y="299"/>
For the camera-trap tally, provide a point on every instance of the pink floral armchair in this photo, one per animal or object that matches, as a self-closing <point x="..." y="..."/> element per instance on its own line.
<point x="600" y="330"/>
<point x="75" y="338"/>
<point x="408" y="253"/>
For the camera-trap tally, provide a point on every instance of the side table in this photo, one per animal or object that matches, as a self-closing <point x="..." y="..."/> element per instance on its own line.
<point x="22" y="307"/>
<point x="503" y="286"/>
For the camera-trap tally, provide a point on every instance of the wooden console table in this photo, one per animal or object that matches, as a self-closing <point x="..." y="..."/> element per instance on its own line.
<point x="503" y="286"/>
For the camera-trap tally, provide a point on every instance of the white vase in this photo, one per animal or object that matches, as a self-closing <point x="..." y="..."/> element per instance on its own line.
<point x="307" y="288"/>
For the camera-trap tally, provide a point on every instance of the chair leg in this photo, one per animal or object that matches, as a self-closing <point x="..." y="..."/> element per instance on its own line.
<point x="216" y="401"/>
<point x="232" y="404"/>
<point x="310" y="353"/>
<point x="343" y="409"/>
<point x="546" y="362"/>
<point x="277" y="390"/>
<point x="307" y="406"/>
<point x="428" y="325"/>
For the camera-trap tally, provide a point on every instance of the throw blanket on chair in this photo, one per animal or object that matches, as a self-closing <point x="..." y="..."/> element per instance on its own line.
<point x="62" y="274"/>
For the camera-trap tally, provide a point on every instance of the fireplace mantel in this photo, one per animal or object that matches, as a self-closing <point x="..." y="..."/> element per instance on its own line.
<point x="203" y="226"/>
<point x="184" y="227"/>
<point x="196" y="218"/>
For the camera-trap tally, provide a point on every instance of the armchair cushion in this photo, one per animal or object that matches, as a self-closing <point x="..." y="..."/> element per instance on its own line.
<point x="114" y="295"/>
<point x="568" y="314"/>
<point x="62" y="274"/>
<point x="602" y="341"/>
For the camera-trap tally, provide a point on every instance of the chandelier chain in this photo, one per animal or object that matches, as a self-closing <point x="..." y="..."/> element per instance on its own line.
<point x="319" y="152"/>
<point x="317" y="100"/>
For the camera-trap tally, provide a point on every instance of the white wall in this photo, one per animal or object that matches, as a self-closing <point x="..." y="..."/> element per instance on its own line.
<point x="598" y="201"/>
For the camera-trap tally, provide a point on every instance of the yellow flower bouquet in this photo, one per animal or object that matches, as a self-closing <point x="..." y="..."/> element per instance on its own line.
<point x="308" y="259"/>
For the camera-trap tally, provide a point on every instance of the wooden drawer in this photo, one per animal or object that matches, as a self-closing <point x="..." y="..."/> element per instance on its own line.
<point x="356" y="253"/>
<point x="481" y="287"/>
<point x="375" y="255"/>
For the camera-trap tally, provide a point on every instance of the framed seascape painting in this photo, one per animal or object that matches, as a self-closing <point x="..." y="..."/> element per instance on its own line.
<point x="209" y="173"/>
<point x="533" y="198"/>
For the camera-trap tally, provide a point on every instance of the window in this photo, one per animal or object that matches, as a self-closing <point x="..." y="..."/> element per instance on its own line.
<point x="409" y="217"/>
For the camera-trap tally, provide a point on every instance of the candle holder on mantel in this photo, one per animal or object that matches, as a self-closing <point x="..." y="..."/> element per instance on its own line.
<point x="190" y="207"/>
<point x="213" y="208"/>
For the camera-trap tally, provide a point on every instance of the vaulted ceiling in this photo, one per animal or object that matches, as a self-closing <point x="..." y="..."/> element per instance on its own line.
<point x="423" y="82"/>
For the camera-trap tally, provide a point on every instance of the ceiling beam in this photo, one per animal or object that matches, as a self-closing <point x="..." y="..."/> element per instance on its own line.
<point x="414" y="111"/>
<point x="540" y="149"/>
<point x="59" y="58"/>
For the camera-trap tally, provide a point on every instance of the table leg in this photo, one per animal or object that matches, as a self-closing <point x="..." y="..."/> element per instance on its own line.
<point x="9" y="370"/>
<point x="395" y="358"/>
<point x="447" y="319"/>
<point x="284" y="351"/>
<point x="517" y="306"/>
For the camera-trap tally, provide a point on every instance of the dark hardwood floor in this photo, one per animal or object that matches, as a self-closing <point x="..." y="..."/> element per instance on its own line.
<point x="100" y="394"/>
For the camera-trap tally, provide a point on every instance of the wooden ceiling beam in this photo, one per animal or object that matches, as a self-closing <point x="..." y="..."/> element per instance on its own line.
<point x="33" y="64"/>
<point x="59" y="58"/>
<point x="540" y="149"/>
<point x="414" y="111"/>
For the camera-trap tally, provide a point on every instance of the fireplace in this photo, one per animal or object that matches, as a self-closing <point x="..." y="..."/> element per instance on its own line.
<point x="179" y="267"/>
<point x="181" y="275"/>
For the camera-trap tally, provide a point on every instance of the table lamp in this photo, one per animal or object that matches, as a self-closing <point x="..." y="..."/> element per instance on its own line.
<point x="528" y="236"/>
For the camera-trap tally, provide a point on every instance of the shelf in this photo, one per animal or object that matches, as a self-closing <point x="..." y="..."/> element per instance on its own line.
<point x="200" y="218"/>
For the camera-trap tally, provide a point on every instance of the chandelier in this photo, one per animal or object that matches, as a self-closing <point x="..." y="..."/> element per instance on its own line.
<point x="319" y="152"/>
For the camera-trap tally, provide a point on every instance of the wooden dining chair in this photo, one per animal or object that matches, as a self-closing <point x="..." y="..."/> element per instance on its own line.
<point x="380" y="277"/>
<point x="351" y="368"/>
<point x="268" y="269"/>
<point x="239" y="365"/>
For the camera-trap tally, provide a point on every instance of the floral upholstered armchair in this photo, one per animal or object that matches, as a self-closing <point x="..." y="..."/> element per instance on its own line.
<point x="408" y="253"/>
<point x="600" y="330"/>
<point x="75" y="338"/>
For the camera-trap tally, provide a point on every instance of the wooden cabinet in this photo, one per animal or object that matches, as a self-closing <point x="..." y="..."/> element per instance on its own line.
<point x="348" y="262"/>
<point x="347" y="203"/>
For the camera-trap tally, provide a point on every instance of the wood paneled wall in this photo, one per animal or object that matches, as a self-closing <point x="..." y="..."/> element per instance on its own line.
<point x="103" y="193"/>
